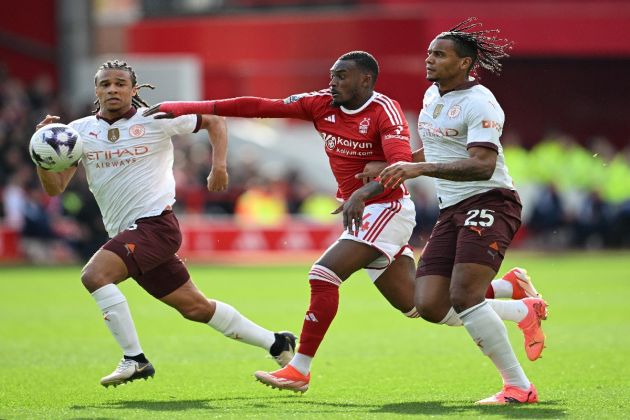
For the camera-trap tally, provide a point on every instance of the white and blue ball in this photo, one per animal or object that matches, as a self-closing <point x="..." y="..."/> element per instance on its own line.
<point x="56" y="147"/>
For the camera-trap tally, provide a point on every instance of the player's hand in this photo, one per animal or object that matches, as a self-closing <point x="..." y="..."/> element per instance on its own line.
<point x="352" y="214"/>
<point x="218" y="179"/>
<point x="50" y="119"/>
<point x="159" y="112"/>
<point x="371" y="171"/>
<point x="394" y="175"/>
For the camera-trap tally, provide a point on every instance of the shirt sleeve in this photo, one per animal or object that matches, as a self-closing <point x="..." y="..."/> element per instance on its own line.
<point x="395" y="138"/>
<point x="186" y="124"/>
<point x="295" y="106"/>
<point x="485" y="125"/>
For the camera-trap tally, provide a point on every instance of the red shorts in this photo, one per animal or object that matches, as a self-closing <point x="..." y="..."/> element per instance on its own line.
<point x="148" y="249"/>
<point x="477" y="230"/>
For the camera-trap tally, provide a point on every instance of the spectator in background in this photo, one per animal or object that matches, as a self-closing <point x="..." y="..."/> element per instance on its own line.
<point x="264" y="203"/>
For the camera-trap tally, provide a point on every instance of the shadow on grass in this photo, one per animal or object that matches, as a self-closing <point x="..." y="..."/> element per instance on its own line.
<point x="174" y="404"/>
<point x="547" y="409"/>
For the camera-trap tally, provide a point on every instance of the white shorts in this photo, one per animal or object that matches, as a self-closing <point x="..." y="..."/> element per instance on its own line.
<point x="386" y="227"/>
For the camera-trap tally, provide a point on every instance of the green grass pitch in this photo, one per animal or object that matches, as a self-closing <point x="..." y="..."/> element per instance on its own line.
<point x="374" y="362"/>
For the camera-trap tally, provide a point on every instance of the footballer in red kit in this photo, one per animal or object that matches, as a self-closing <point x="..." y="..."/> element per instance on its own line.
<point x="357" y="126"/>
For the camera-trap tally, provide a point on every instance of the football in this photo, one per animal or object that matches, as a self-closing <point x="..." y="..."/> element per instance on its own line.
<point x="56" y="147"/>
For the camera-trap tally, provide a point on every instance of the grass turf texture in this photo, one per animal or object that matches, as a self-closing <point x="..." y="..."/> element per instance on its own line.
<point x="374" y="362"/>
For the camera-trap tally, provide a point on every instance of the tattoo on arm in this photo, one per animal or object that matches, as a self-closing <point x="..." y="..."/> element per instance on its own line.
<point x="459" y="170"/>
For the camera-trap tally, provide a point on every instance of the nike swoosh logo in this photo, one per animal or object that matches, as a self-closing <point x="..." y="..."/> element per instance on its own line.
<point x="140" y="369"/>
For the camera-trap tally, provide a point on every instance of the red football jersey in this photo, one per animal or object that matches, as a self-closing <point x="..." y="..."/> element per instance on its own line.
<point x="378" y="131"/>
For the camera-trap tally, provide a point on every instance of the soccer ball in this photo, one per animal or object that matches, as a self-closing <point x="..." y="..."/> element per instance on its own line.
<point x="56" y="147"/>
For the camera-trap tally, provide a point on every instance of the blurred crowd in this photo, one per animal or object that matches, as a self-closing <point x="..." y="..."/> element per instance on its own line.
<point x="574" y="196"/>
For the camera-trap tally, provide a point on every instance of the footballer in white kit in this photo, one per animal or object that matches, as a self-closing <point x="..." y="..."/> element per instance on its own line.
<point x="480" y="212"/>
<point x="133" y="147"/>
<point x="128" y="159"/>
<point x="448" y="125"/>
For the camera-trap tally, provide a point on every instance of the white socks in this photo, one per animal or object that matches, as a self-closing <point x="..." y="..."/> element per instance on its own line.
<point x="507" y="310"/>
<point x="232" y="324"/>
<point x="452" y="319"/>
<point x="117" y="317"/>
<point x="301" y="363"/>
<point x="488" y="332"/>
<point x="502" y="288"/>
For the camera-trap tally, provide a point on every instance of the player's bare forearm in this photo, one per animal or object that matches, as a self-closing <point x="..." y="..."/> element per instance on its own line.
<point x="459" y="170"/>
<point x="369" y="190"/>
<point x="478" y="167"/>
<point x="54" y="183"/>
<point x="217" y="133"/>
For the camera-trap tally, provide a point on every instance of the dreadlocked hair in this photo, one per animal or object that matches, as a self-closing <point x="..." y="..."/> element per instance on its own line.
<point x="482" y="45"/>
<point x="136" y="100"/>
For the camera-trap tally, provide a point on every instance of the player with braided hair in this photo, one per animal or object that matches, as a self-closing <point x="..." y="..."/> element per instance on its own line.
<point x="480" y="211"/>
<point x="136" y="100"/>
<point x="128" y="159"/>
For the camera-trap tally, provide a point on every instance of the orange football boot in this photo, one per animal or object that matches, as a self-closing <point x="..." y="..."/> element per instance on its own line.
<point x="522" y="286"/>
<point x="512" y="395"/>
<point x="530" y="325"/>
<point x="286" y="378"/>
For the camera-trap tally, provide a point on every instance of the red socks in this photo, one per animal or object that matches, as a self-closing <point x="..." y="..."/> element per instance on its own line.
<point x="320" y="314"/>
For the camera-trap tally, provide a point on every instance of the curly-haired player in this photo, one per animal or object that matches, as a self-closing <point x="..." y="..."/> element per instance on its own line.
<point x="480" y="211"/>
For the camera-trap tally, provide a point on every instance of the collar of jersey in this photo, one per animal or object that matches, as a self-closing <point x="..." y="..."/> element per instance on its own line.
<point x="126" y="116"/>
<point x="356" y="111"/>
<point x="466" y="85"/>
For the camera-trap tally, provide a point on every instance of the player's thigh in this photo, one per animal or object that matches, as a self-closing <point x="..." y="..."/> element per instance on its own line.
<point x="345" y="257"/>
<point x="105" y="267"/>
<point x="438" y="255"/>
<point x="432" y="297"/>
<point x="397" y="283"/>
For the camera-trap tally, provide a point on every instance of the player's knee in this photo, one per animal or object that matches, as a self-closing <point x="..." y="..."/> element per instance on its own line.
<point x="198" y="311"/>
<point x="463" y="298"/>
<point x="93" y="279"/>
<point x="427" y="309"/>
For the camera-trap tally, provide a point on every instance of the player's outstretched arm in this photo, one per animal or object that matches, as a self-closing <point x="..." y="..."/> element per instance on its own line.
<point x="479" y="166"/>
<point x="172" y="109"/>
<point x="217" y="133"/>
<point x="54" y="183"/>
<point x="244" y="106"/>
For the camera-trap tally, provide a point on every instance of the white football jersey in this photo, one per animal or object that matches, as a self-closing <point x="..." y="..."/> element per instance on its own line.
<point x="448" y="125"/>
<point x="129" y="164"/>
